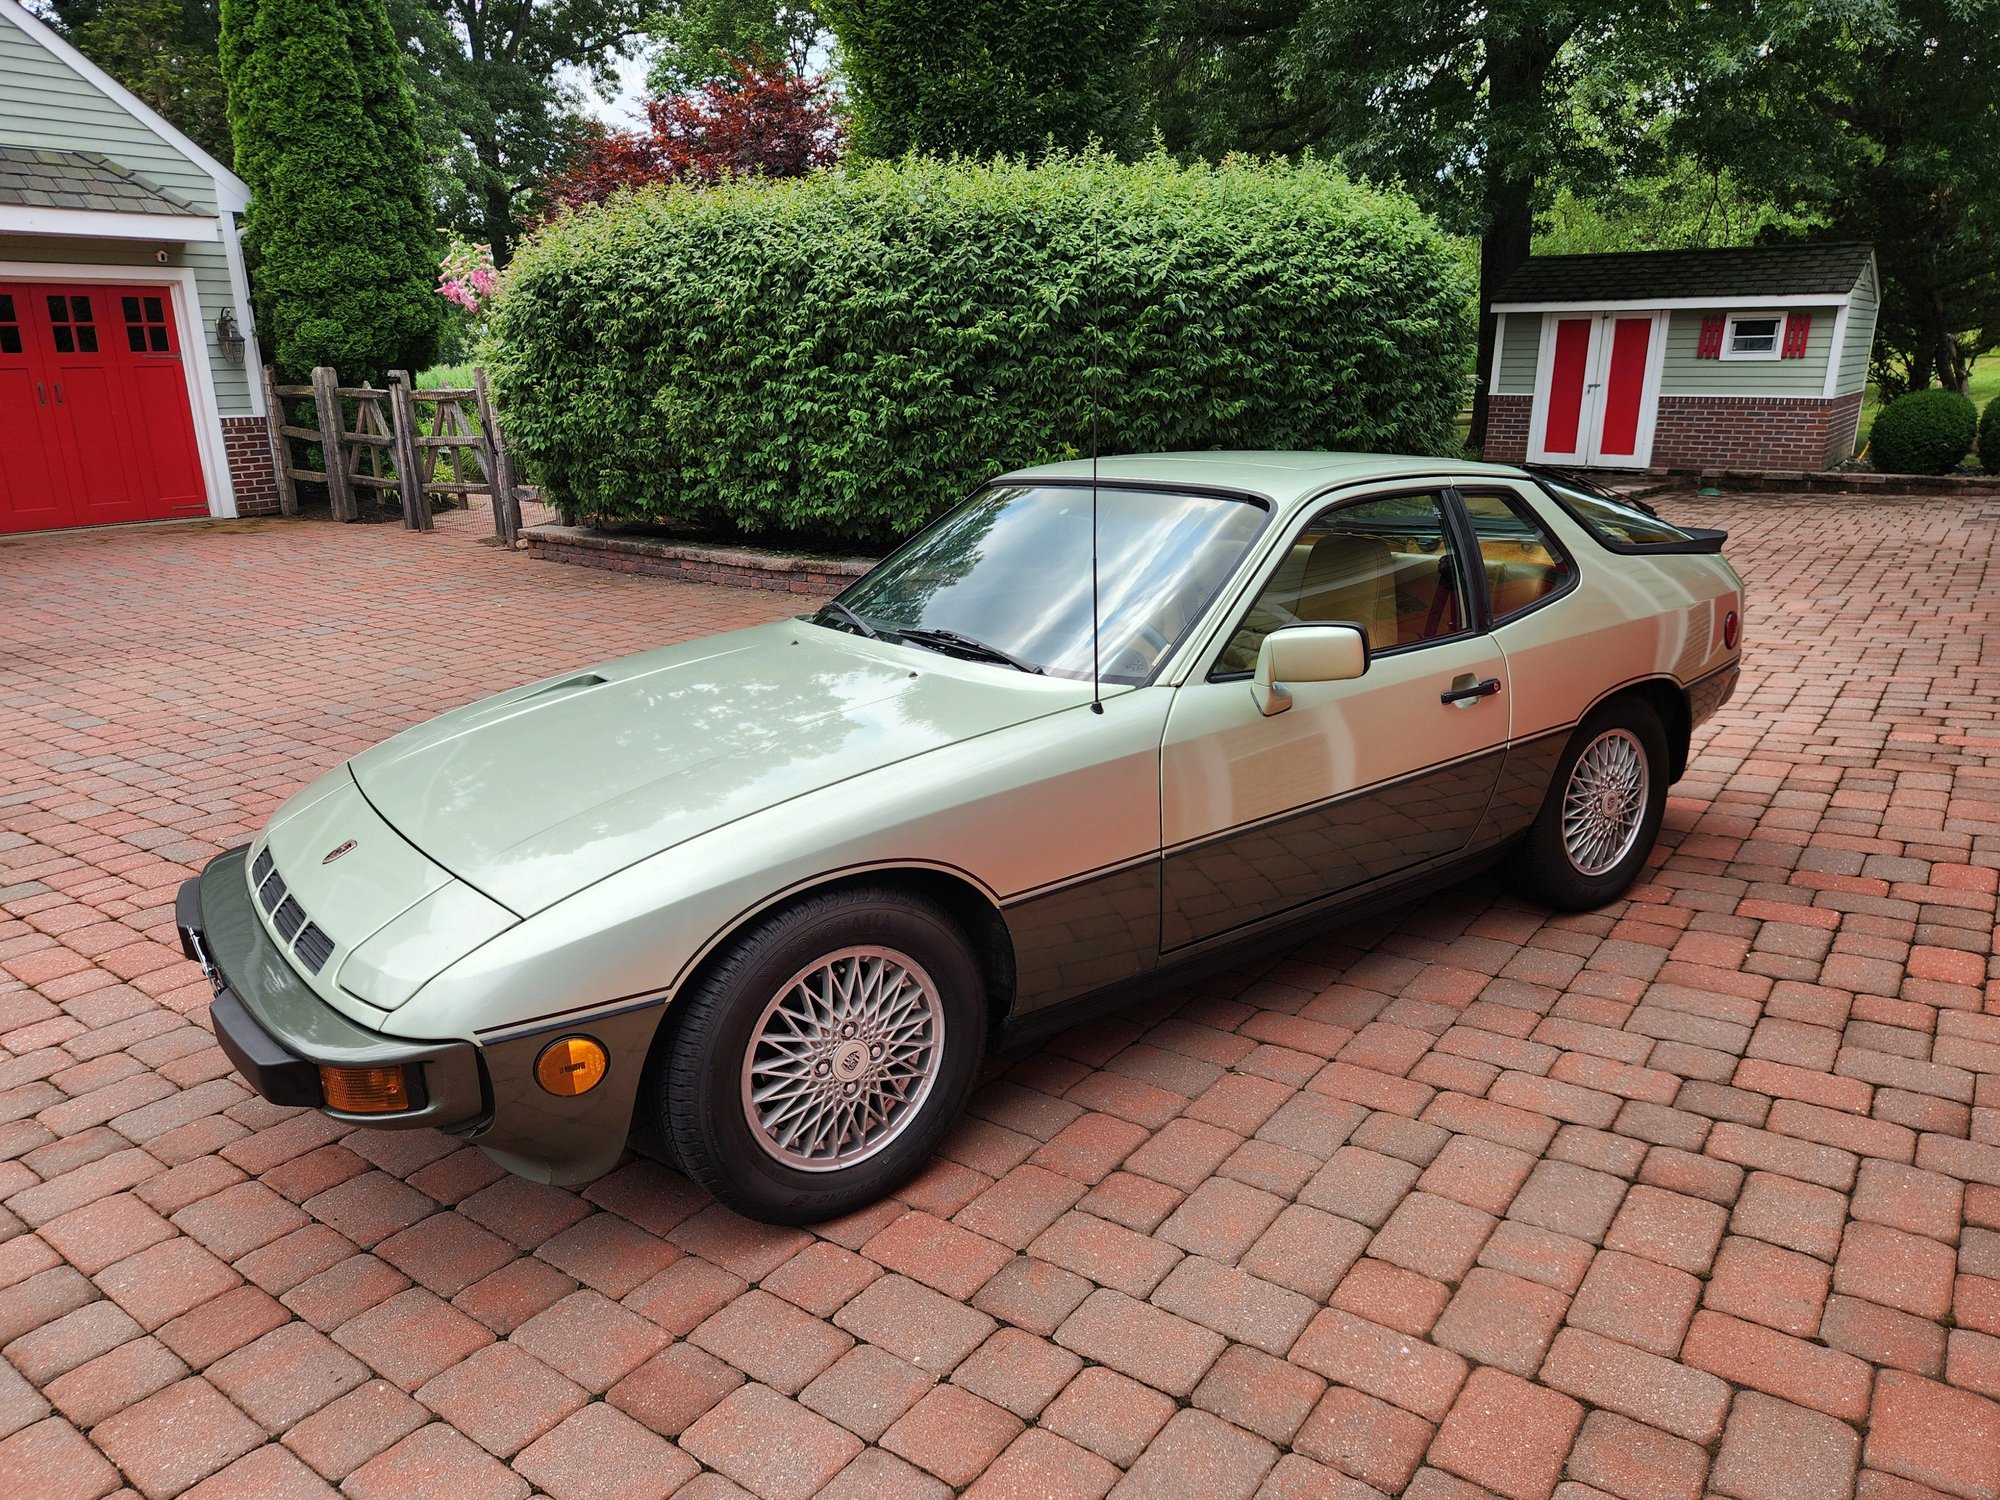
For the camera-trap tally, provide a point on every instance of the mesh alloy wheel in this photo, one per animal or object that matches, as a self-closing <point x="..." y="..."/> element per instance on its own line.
<point x="842" y="1059"/>
<point x="1604" y="802"/>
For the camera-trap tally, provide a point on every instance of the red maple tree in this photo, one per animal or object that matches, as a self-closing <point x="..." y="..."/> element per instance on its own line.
<point x="765" y="119"/>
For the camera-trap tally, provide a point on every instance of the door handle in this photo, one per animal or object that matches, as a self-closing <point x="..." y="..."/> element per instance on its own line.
<point x="1471" y="692"/>
<point x="41" y="394"/>
<point x="59" y="393"/>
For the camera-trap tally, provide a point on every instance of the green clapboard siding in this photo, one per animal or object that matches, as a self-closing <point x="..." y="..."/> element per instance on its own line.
<point x="1860" y="337"/>
<point x="1684" y="375"/>
<point x="1519" y="348"/>
<point x="45" y="103"/>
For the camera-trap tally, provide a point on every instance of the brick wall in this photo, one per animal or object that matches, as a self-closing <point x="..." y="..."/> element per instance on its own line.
<point x="246" y="442"/>
<point x="1766" y="432"/>
<point x="1507" y="428"/>
<point x="1714" y="432"/>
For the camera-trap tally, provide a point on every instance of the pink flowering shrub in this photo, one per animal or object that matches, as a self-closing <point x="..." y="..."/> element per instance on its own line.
<point x="466" y="276"/>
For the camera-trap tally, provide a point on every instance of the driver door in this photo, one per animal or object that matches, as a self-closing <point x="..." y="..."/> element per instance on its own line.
<point x="1358" y="780"/>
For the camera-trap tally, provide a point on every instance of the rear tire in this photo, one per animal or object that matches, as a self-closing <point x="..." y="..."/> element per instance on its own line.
<point x="1602" y="813"/>
<point x="818" y="1062"/>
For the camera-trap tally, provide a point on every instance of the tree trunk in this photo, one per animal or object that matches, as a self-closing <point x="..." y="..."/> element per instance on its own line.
<point x="499" y="202"/>
<point x="1516" y="70"/>
<point x="1510" y="230"/>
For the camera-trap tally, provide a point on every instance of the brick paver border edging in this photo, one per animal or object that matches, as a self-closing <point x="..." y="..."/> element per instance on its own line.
<point x="741" y="566"/>
<point x="1835" y="481"/>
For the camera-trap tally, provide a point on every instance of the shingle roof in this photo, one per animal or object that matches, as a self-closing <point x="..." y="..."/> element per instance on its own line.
<point x="1776" y="271"/>
<point x="34" y="178"/>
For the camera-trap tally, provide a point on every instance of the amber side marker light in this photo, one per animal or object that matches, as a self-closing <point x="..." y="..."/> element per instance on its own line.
<point x="365" y="1091"/>
<point x="571" y="1065"/>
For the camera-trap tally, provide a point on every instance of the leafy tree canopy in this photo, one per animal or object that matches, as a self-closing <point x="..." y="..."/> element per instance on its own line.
<point x="986" y="77"/>
<point x="493" y="109"/>
<point x="764" y="120"/>
<point x="162" y="50"/>
<point x="697" y="41"/>
<point x="1879" y="119"/>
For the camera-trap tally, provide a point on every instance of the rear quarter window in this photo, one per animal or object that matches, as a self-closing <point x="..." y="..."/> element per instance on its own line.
<point x="1624" y="527"/>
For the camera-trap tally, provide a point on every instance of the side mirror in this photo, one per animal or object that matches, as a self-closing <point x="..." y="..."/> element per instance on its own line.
<point x="1306" y="653"/>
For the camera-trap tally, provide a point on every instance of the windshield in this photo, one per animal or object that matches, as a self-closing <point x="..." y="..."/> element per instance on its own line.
<point x="1009" y="570"/>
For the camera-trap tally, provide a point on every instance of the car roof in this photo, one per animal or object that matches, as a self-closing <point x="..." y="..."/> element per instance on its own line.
<point x="1280" y="476"/>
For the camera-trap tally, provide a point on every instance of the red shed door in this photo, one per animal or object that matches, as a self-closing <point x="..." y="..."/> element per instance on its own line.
<point x="1597" y="390"/>
<point x="96" y="397"/>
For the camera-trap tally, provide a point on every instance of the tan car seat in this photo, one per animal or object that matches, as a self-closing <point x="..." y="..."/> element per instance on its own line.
<point x="1349" y="577"/>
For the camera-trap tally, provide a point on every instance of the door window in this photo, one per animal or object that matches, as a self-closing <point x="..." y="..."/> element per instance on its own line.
<point x="145" y="324"/>
<point x="10" y="326"/>
<point x="1523" y="564"/>
<point x="71" y="325"/>
<point x="1386" y="565"/>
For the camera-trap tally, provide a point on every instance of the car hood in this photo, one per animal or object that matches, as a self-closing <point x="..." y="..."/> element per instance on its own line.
<point x="534" y="794"/>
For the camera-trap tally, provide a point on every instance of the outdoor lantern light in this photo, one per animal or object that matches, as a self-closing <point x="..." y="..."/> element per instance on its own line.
<point x="228" y="337"/>
<point x="574" y="1065"/>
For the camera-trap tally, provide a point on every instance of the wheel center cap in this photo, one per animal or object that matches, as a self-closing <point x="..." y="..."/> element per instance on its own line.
<point x="850" y="1061"/>
<point x="1608" y="804"/>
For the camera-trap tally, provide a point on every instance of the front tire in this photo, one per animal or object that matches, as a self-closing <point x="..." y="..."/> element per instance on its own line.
<point x="1602" y="813"/>
<point x="818" y="1062"/>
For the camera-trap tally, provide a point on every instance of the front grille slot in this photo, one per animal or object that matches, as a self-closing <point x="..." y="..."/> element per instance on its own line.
<point x="310" y="943"/>
<point x="314" y="948"/>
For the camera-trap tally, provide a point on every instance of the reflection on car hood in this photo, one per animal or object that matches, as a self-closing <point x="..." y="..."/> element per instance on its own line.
<point x="536" y="793"/>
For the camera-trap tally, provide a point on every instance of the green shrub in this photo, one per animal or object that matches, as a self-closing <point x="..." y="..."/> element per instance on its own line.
<point x="342" y="251"/>
<point x="1925" y="432"/>
<point x="981" y="77"/>
<point x="845" y="355"/>
<point x="1989" y="437"/>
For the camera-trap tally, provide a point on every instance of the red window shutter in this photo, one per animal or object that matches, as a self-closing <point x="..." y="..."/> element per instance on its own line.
<point x="1710" y="346"/>
<point x="1798" y="329"/>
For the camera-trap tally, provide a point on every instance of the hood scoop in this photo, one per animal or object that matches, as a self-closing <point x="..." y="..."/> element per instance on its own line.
<point x="566" y="685"/>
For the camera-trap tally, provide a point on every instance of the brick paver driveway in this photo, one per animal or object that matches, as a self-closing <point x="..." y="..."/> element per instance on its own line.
<point x="1698" y="1192"/>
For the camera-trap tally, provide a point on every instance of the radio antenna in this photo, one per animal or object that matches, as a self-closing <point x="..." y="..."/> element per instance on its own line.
<point x="1096" y="678"/>
<point x="1096" y="369"/>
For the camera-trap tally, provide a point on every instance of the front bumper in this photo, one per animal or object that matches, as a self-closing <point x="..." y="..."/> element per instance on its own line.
<point x="277" y="1031"/>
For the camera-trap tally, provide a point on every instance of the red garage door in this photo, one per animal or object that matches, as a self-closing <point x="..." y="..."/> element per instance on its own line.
<point x="94" y="418"/>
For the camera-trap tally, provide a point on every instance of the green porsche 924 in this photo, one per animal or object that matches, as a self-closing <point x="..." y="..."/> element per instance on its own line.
<point x="771" y="896"/>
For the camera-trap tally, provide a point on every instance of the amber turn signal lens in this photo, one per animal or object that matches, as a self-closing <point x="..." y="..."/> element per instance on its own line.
<point x="365" y="1091"/>
<point x="574" y="1065"/>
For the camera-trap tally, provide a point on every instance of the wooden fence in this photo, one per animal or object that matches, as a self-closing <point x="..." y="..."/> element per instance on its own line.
<point x="393" y="439"/>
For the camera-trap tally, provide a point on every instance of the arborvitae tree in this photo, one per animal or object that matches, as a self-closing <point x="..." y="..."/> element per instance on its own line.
<point x="339" y="235"/>
<point x="980" y="77"/>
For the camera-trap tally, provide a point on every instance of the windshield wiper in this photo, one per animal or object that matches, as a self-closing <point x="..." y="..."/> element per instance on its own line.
<point x="952" y="643"/>
<point x="834" y="606"/>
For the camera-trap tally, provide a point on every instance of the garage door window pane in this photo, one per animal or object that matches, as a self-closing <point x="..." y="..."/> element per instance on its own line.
<point x="146" y="325"/>
<point x="1523" y="566"/>
<point x="10" y="327"/>
<point x="70" y="325"/>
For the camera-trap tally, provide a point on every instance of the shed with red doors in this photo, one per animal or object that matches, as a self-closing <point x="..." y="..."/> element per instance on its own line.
<point x="128" y="387"/>
<point x="1684" y="359"/>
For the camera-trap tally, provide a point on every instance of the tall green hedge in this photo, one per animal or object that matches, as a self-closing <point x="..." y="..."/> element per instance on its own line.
<point x="342" y="248"/>
<point x="981" y="77"/>
<point x="845" y="355"/>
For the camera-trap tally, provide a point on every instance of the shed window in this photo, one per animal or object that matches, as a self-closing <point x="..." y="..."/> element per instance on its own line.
<point x="1754" y="336"/>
